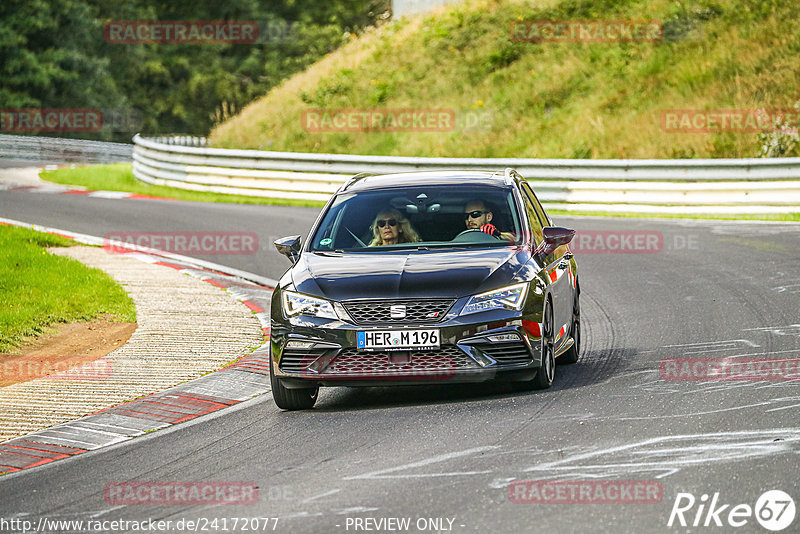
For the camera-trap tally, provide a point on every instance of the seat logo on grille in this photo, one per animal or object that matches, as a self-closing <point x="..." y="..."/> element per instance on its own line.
<point x="398" y="311"/>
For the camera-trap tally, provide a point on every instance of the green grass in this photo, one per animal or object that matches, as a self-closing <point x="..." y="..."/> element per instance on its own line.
<point x="38" y="289"/>
<point x="544" y="100"/>
<point x="119" y="177"/>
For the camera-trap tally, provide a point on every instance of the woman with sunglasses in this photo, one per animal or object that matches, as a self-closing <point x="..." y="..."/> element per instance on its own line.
<point x="391" y="227"/>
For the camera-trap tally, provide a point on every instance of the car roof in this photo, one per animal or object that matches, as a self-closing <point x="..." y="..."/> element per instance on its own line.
<point x="403" y="179"/>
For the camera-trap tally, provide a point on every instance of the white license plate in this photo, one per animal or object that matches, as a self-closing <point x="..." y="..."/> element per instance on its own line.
<point x="398" y="339"/>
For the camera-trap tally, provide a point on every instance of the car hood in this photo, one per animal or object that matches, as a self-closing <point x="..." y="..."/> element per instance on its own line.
<point x="447" y="274"/>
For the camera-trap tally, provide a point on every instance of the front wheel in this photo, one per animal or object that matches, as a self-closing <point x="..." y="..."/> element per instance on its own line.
<point x="547" y="372"/>
<point x="291" y="399"/>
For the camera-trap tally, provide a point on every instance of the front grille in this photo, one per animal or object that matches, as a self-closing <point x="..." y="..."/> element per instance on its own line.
<point x="436" y="363"/>
<point x="507" y="353"/>
<point x="417" y="310"/>
<point x="298" y="360"/>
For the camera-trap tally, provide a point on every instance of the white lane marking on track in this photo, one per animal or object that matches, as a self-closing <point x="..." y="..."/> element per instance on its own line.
<point x="93" y="515"/>
<point x="784" y="288"/>
<point x="713" y="346"/>
<point x="146" y="258"/>
<point x="786" y="399"/>
<point x="383" y="473"/>
<point x="427" y="475"/>
<point x="354" y="510"/>
<point x="788" y="330"/>
<point x="500" y="483"/>
<point x="662" y="387"/>
<point x="299" y="514"/>
<point x="664" y="416"/>
<point x="793" y="351"/>
<point x="47" y="189"/>
<point x="109" y="194"/>
<point x="321" y="495"/>
<point x="669" y="454"/>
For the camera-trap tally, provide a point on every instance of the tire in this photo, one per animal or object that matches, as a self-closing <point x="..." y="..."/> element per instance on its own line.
<point x="571" y="356"/>
<point x="547" y="372"/>
<point x="291" y="399"/>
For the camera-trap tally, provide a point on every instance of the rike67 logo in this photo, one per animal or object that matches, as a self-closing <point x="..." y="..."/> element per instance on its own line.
<point x="774" y="510"/>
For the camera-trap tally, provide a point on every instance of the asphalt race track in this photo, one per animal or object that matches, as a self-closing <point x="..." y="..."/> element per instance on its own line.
<point x="443" y="457"/>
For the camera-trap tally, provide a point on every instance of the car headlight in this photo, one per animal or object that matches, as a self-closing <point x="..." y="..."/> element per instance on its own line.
<point x="510" y="298"/>
<point x="297" y="304"/>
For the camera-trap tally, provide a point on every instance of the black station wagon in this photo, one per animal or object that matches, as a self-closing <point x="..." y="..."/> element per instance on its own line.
<point x="414" y="278"/>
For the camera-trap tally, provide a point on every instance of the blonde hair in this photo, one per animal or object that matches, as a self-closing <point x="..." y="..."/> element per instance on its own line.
<point x="405" y="232"/>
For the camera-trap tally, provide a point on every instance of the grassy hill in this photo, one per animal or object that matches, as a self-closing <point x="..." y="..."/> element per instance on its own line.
<point x="545" y="99"/>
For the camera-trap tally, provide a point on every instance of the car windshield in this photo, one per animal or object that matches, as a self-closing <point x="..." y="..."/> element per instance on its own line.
<point x="419" y="216"/>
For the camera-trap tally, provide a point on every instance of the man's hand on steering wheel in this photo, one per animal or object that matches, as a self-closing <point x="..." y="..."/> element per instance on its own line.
<point x="490" y="229"/>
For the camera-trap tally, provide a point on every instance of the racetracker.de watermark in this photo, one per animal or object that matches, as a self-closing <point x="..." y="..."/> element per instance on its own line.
<point x="631" y="242"/>
<point x="617" y="242"/>
<point x="729" y="369"/>
<point x="181" y="32"/>
<point x="586" y="31"/>
<point x="209" y="243"/>
<point x="27" y="120"/>
<point x="33" y="120"/>
<point x="68" y="369"/>
<point x="149" y="524"/>
<point x="585" y="492"/>
<point x="180" y="493"/>
<point x="378" y="120"/>
<point x="729" y="120"/>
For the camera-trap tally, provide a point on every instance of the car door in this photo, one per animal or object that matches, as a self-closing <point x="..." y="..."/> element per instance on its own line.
<point x="558" y="269"/>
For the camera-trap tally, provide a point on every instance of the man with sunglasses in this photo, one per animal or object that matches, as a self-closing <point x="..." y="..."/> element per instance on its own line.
<point x="478" y="216"/>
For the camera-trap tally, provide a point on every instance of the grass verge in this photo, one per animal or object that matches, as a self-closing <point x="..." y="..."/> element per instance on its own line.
<point x="38" y="289"/>
<point x="119" y="177"/>
<point x="542" y="99"/>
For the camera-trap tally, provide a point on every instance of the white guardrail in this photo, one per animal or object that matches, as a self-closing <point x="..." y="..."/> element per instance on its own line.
<point x="60" y="150"/>
<point x="736" y="186"/>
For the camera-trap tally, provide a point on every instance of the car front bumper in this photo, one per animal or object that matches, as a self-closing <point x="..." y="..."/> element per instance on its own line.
<point x="308" y="352"/>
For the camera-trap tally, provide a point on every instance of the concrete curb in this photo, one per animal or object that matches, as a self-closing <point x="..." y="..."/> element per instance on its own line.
<point x="219" y="331"/>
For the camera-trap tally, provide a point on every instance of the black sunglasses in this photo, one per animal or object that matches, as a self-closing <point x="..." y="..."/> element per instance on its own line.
<point x="383" y="222"/>
<point x="474" y="214"/>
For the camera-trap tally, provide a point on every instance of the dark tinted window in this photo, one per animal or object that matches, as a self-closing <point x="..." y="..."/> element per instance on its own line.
<point x="435" y="213"/>
<point x="539" y="208"/>
<point x="537" y="220"/>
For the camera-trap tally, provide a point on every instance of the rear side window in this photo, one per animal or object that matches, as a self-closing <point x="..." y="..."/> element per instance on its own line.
<point x="544" y="220"/>
<point x="535" y="218"/>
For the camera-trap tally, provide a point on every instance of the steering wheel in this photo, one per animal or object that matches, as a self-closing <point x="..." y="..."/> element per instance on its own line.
<point x="467" y="231"/>
<point x="470" y="234"/>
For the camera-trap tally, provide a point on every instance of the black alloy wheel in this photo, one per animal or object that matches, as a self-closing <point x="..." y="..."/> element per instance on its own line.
<point x="544" y="378"/>
<point x="291" y="399"/>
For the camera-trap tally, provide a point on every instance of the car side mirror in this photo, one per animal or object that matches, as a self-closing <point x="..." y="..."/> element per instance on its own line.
<point x="554" y="237"/>
<point x="289" y="247"/>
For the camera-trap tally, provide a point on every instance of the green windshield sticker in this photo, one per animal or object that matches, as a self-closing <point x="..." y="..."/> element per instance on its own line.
<point x="325" y="242"/>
